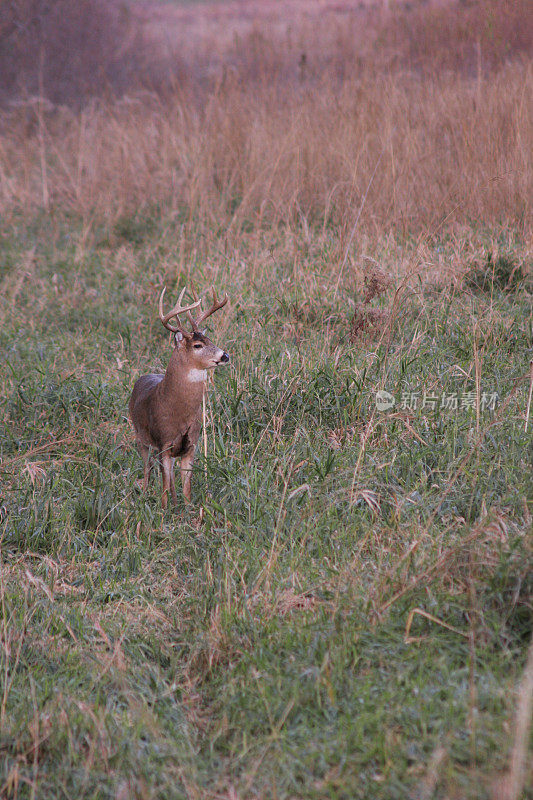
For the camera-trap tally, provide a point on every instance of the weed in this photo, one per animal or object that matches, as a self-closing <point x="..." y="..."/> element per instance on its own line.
<point x="500" y="273"/>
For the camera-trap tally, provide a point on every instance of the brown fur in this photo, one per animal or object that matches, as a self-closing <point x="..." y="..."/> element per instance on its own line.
<point x="166" y="410"/>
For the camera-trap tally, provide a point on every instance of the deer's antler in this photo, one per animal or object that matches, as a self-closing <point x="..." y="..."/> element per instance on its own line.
<point x="205" y="314"/>
<point x="175" y="312"/>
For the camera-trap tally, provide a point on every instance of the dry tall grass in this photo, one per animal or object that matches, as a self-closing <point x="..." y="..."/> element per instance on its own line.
<point x="394" y="149"/>
<point x="412" y="153"/>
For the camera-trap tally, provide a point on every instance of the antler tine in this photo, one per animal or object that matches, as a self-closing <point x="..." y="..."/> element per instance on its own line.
<point x="194" y="326"/>
<point x="194" y="293"/>
<point x="175" y="312"/>
<point x="215" y="307"/>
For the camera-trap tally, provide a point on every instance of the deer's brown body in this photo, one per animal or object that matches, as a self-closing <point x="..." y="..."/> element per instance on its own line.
<point x="166" y="410"/>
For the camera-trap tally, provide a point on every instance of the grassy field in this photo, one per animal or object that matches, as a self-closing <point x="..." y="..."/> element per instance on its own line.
<point x="346" y="610"/>
<point x="262" y="652"/>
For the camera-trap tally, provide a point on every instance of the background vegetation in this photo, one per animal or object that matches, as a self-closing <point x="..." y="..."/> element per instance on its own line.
<point x="346" y="612"/>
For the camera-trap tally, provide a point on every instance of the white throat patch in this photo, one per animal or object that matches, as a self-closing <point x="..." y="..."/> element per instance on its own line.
<point x="197" y="375"/>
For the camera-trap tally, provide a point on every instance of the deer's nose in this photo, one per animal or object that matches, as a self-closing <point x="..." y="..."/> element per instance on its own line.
<point x="224" y="358"/>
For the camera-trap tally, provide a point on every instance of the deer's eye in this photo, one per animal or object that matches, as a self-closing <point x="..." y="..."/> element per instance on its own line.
<point x="198" y="346"/>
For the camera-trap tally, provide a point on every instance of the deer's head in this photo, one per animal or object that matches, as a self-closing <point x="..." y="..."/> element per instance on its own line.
<point x="200" y="352"/>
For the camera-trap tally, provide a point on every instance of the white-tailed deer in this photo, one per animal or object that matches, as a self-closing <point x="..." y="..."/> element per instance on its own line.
<point x="166" y="410"/>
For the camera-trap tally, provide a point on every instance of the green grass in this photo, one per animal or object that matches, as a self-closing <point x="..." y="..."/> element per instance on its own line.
<point x="261" y="652"/>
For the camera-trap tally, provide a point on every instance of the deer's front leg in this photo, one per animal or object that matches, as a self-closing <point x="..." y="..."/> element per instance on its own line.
<point x="188" y="444"/>
<point x="173" y="494"/>
<point x="166" y="474"/>
<point x="187" y="461"/>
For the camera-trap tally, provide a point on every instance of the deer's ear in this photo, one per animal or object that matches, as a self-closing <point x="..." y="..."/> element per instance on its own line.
<point x="204" y="331"/>
<point x="178" y="337"/>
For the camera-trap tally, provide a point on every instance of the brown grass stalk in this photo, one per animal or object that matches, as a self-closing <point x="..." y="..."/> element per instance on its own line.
<point x="512" y="785"/>
<point x="251" y="156"/>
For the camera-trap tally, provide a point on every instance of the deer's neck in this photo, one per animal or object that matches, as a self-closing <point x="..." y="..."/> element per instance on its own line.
<point x="183" y="382"/>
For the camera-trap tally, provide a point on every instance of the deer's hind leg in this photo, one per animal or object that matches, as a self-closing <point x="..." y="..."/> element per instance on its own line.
<point x="144" y="450"/>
